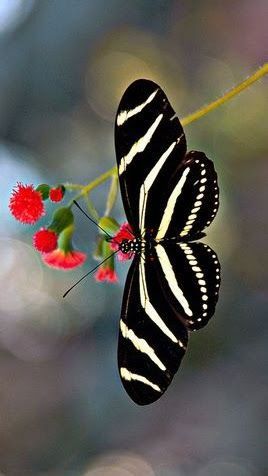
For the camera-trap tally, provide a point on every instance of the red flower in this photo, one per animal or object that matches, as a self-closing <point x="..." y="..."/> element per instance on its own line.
<point x="105" y="273"/>
<point x="124" y="233"/>
<point x="45" y="240"/>
<point x="64" y="257"/>
<point x="26" y="204"/>
<point x="56" y="194"/>
<point x="60" y="259"/>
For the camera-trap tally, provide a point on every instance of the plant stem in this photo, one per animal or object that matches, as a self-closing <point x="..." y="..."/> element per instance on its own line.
<point x="227" y="96"/>
<point x="73" y="186"/>
<point x="262" y="71"/>
<point x="95" y="183"/>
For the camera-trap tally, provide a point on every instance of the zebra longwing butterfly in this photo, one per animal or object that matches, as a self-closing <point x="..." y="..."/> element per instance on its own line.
<point x="169" y="197"/>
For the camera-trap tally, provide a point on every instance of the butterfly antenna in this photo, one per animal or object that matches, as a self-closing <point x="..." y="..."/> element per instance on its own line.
<point x="87" y="274"/>
<point x="93" y="221"/>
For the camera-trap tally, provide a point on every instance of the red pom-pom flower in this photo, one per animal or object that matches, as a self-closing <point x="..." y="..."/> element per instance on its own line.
<point x="45" y="240"/>
<point x="26" y="204"/>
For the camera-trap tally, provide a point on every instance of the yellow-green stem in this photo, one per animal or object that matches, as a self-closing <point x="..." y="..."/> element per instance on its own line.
<point x="227" y="96"/>
<point x="262" y="71"/>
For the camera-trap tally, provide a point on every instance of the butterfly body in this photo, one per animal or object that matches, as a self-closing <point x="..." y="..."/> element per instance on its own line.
<point x="137" y="245"/>
<point x="169" y="197"/>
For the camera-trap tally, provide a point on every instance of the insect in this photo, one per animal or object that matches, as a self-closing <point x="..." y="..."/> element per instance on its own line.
<point x="169" y="197"/>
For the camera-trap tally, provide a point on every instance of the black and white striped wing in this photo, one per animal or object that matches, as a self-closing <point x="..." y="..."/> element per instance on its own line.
<point x="169" y="290"/>
<point x="169" y="198"/>
<point x="165" y="191"/>
<point x="191" y="198"/>
<point x="152" y="339"/>
<point x="189" y="276"/>
<point x="150" y="145"/>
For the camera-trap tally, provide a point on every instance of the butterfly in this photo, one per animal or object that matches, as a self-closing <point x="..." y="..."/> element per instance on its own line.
<point x="169" y="196"/>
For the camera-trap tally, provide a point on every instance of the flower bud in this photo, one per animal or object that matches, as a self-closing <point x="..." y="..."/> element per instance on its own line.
<point x="56" y="194"/>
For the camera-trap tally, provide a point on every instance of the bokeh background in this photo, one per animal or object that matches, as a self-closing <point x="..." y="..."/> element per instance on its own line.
<point x="64" y="65"/>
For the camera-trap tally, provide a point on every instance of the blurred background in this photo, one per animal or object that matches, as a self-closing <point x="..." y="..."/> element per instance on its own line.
<point x="63" y="411"/>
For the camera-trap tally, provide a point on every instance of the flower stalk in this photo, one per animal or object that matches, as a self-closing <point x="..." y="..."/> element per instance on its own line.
<point x="54" y="241"/>
<point x="203" y="111"/>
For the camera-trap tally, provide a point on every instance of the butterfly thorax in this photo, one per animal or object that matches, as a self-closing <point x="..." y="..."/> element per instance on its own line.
<point x="134" y="246"/>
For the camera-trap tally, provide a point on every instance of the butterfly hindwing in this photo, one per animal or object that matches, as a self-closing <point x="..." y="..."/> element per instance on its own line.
<point x="191" y="199"/>
<point x="152" y="341"/>
<point x="150" y="144"/>
<point x="189" y="275"/>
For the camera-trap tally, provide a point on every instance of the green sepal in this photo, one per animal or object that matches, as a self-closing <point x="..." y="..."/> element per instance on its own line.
<point x="103" y="250"/>
<point x="44" y="189"/>
<point x="65" y="239"/>
<point x="109" y="224"/>
<point x="98" y="252"/>
<point x="106" y="251"/>
<point x="61" y="219"/>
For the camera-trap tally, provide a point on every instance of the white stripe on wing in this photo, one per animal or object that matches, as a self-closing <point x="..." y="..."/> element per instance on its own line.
<point x="169" y="210"/>
<point x="127" y="375"/>
<point x="140" y="344"/>
<point x="139" y="146"/>
<point x="123" y="116"/>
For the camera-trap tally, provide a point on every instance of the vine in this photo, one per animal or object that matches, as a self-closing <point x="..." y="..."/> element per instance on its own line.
<point x="54" y="242"/>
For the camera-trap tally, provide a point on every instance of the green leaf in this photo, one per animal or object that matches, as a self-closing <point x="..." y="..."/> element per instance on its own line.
<point x="98" y="252"/>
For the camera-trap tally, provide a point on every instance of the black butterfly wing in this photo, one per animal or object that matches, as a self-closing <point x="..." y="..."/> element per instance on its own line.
<point x="169" y="196"/>
<point x="152" y="339"/>
<point x="191" y="199"/>
<point x="150" y="144"/>
<point x="189" y="275"/>
<point x="168" y="290"/>
<point x="164" y="190"/>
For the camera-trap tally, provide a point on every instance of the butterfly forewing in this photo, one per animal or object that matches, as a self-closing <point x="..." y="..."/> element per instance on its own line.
<point x="152" y="341"/>
<point x="150" y="144"/>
